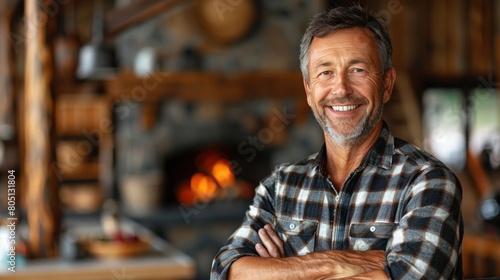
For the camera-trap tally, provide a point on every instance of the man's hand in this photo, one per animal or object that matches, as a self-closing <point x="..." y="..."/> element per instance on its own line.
<point x="271" y="246"/>
<point x="324" y="265"/>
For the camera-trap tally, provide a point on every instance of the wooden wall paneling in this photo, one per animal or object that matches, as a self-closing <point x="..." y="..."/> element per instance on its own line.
<point x="398" y="30"/>
<point x="480" y="36"/>
<point x="456" y="38"/>
<point x="43" y="214"/>
<point x="488" y="10"/>
<point x="417" y="34"/>
<point x="421" y="24"/>
<point x="439" y="14"/>
<point x="410" y="35"/>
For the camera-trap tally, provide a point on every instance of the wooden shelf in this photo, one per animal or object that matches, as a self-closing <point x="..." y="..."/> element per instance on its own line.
<point x="210" y="87"/>
<point x="78" y="114"/>
<point x="83" y="148"/>
<point x="203" y="86"/>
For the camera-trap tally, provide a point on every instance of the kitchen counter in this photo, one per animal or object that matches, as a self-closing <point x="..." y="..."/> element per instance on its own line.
<point x="161" y="261"/>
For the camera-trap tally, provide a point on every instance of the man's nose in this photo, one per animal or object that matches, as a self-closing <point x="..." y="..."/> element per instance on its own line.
<point x="340" y="84"/>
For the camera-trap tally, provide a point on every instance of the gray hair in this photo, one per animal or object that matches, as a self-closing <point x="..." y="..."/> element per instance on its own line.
<point x="342" y="18"/>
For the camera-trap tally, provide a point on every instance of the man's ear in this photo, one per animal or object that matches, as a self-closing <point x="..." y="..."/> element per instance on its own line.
<point x="389" y="81"/>
<point x="308" y="91"/>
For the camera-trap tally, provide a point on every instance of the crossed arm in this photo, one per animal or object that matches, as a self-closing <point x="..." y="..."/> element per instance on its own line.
<point x="272" y="263"/>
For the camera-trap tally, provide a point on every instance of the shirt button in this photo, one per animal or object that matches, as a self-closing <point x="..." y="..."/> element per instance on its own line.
<point x="372" y="228"/>
<point x="336" y="198"/>
<point x="292" y="226"/>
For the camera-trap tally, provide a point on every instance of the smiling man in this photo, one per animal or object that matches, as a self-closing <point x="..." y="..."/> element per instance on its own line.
<point x="367" y="205"/>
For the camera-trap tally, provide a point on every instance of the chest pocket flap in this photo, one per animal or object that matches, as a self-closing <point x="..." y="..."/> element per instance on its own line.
<point x="370" y="236"/>
<point x="372" y="230"/>
<point x="299" y="237"/>
<point x="295" y="227"/>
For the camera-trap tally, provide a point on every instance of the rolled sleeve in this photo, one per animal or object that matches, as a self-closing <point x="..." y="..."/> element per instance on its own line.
<point x="427" y="241"/>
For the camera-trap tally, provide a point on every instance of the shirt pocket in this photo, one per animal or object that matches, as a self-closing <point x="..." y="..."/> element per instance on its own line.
<point x="370" y="236"/>
<point x="299" y="237"/>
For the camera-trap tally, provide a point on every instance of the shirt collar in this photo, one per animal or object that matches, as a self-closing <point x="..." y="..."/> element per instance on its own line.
<point x="379" y="155"/>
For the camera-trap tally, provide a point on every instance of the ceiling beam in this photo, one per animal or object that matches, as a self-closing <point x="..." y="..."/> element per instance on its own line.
<point x="121" y="18"/>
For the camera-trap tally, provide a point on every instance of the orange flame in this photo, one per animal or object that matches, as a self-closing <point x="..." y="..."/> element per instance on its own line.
<point x="222" y="173"/>
<point x="203" y="186"/>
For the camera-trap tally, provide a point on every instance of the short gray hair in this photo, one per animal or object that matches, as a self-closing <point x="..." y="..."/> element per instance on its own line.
<point x="343" y="18"/>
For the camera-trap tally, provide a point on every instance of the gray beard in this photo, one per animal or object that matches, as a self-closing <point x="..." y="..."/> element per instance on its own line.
<point x="359" y="132"/>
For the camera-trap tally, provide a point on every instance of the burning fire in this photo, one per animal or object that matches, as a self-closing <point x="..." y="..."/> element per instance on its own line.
<point x="223" y="173"/>
<point x="215" y="176"/>
<point x="203" y="186"/>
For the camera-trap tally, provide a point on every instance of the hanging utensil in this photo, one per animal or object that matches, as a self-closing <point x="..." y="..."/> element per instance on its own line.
<point x="96" y="60"/>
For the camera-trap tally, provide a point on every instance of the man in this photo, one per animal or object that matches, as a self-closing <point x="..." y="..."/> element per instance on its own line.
<point x="368" y="205"/>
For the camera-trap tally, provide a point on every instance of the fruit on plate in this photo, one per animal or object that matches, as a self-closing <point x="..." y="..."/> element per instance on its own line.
<point x="121" y="236"/>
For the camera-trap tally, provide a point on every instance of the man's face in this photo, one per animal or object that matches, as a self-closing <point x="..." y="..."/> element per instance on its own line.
<point x="346" y="90"/>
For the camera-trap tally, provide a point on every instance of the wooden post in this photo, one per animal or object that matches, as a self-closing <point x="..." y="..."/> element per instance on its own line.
<point x="42" y="207"/>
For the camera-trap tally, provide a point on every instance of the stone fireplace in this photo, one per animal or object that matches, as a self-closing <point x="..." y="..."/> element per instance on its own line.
<point x="247" y="138"/>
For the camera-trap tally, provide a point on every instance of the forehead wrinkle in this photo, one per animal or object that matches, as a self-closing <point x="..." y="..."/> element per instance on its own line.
<point x="357" y="43"/>
<point x="351" y="61"/>
<point x="322" y="63"/>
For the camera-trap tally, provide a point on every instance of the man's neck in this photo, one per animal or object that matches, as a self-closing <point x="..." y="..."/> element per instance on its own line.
<point x="343" y="159"/>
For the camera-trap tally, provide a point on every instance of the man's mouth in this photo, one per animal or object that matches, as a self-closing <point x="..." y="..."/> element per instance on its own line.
<point x="344" y="108"/>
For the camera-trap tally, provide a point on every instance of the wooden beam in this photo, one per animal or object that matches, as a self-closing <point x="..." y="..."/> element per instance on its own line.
<point x="134" y="13"/>
<point x="43" y="214"/>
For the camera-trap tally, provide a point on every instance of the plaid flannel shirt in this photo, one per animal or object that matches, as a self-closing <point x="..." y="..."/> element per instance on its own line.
<point x="400" y="199"/>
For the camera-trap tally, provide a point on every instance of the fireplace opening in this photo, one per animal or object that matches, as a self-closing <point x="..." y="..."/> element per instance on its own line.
<point x="213" y="172"/>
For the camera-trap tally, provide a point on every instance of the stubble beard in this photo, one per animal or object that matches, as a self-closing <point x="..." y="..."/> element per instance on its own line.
<point x="359" y="132"/>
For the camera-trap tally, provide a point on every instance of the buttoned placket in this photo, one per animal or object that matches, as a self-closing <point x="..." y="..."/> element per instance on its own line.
<point x="337" y="199"/>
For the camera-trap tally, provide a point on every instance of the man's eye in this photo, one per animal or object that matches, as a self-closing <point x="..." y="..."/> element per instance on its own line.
<point x="358" y="70"/>
<point x="325" y="73"/>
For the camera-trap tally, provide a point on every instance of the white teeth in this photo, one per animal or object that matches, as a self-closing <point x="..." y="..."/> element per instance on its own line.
<point x="344" y="108"/>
